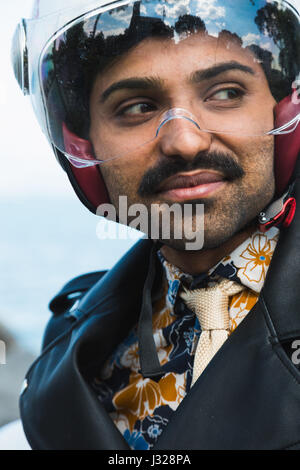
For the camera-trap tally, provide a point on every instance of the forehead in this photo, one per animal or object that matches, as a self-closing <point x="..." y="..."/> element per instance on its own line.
<point x="177" y="58"/>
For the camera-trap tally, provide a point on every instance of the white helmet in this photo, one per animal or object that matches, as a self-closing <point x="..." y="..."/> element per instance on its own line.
<point x="56" y="53"/>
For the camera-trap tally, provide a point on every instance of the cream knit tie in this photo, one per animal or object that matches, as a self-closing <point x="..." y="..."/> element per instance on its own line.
<point x="211" y="307"/>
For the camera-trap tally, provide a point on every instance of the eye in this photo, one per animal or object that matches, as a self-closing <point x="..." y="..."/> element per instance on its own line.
<point x="137" y="109"/>
<point x="227" y="94"/>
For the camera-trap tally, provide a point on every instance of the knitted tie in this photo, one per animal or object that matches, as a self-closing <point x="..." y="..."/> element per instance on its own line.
<point x="211" y="307"/>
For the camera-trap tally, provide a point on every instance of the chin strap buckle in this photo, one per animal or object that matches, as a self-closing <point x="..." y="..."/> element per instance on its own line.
<point x="280" y="213"/>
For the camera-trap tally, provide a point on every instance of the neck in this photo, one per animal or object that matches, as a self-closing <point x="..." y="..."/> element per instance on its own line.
<point x="197" y="262"/>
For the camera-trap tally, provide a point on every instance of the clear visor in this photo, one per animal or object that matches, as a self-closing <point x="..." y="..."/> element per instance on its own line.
<point x="116" y="80"/>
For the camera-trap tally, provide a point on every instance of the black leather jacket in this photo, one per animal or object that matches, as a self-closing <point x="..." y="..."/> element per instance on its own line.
<point x="247" y="398"/>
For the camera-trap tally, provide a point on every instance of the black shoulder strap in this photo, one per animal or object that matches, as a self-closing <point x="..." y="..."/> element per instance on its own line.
<point x="73" y="291"/>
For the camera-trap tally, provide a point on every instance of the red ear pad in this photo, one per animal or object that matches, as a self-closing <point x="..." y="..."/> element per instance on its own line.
<point x="287" y="147"/>
<point x="89" y="179"/>
<point x="91" y="184"/>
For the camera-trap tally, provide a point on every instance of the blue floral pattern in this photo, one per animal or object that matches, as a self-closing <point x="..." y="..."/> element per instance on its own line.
<point x="136" y="440"/>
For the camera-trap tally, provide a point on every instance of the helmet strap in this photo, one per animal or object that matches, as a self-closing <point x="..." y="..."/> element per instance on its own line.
<point x="279" y="213"/>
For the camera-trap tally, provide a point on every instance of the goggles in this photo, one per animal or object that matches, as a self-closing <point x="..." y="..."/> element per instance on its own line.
<point x="232" y="60"/>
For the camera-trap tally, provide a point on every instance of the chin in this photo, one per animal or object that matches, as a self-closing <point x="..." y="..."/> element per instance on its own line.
<point x="210" y="238"/>
<point x="196" y="244"/>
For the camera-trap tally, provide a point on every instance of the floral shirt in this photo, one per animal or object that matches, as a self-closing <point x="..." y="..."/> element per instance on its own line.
<point x="141" y="407"/>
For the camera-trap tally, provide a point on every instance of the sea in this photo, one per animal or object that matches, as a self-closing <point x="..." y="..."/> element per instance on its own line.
<point x="45" y="242"/>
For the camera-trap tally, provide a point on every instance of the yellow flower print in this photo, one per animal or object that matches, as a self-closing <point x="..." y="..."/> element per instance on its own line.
<point x="167" y="387"/>
<point x="162" y="319"/>
<point x="240" y="305"/>
<point x="172" y="388"/>
<point x="142" y="396"/>
<point x="131" y="359"/>
<point x="254" y="261"/>
<point x="139" y="398"/>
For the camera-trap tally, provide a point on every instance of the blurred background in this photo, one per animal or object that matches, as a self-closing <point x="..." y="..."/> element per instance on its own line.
<point x="47" y="236"/>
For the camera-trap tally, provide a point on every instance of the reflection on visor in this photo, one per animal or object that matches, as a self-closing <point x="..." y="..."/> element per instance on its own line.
<point x="250" y="65"/>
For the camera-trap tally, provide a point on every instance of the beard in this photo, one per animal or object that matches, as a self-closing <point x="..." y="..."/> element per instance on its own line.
<point x="218" y="223"/>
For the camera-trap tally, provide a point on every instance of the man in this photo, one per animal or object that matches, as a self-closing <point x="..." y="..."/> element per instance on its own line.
<point x="177" y="347"/>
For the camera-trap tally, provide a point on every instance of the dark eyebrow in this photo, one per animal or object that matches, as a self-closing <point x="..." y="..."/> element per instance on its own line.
<point x="212" y="72"/>
<point x="150" y="83"/>
<point x="144" y="83"/>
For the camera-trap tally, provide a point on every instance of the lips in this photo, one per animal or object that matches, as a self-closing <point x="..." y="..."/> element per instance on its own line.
<point x="192" y="186"/>
<point x="191" y="181"/>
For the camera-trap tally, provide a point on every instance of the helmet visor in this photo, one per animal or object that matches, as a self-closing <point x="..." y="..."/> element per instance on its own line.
<point x="122" y="78"/>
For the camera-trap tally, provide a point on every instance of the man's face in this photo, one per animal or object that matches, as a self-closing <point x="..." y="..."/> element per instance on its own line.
<point x="223" y="86"/>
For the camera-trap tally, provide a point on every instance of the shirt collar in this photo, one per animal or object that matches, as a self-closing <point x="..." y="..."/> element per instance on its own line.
<point x="247" y="264"/>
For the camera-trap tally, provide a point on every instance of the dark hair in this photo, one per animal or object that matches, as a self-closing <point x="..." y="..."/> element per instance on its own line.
<point x="78" y="60"/>
<point x="80" y="57"/>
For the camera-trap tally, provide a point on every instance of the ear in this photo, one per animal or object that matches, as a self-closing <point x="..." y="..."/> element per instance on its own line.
<point x="87" y="182"/>
<point x="287" y="146"/>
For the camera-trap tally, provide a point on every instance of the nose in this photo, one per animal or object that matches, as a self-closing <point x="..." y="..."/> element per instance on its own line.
<point x="182" y="138"/>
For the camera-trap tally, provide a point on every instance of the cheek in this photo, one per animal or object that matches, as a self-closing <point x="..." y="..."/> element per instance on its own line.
<point x="122" y="178"/>
<point x="261" y="156"/>
<point x="254" y="154"/>
<point x="258" y="164"/>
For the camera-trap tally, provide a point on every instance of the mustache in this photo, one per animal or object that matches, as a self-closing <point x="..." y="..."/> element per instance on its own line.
<point x="218" y="161"/>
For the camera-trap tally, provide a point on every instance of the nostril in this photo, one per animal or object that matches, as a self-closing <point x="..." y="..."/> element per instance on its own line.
<point x="186" y="142"/>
